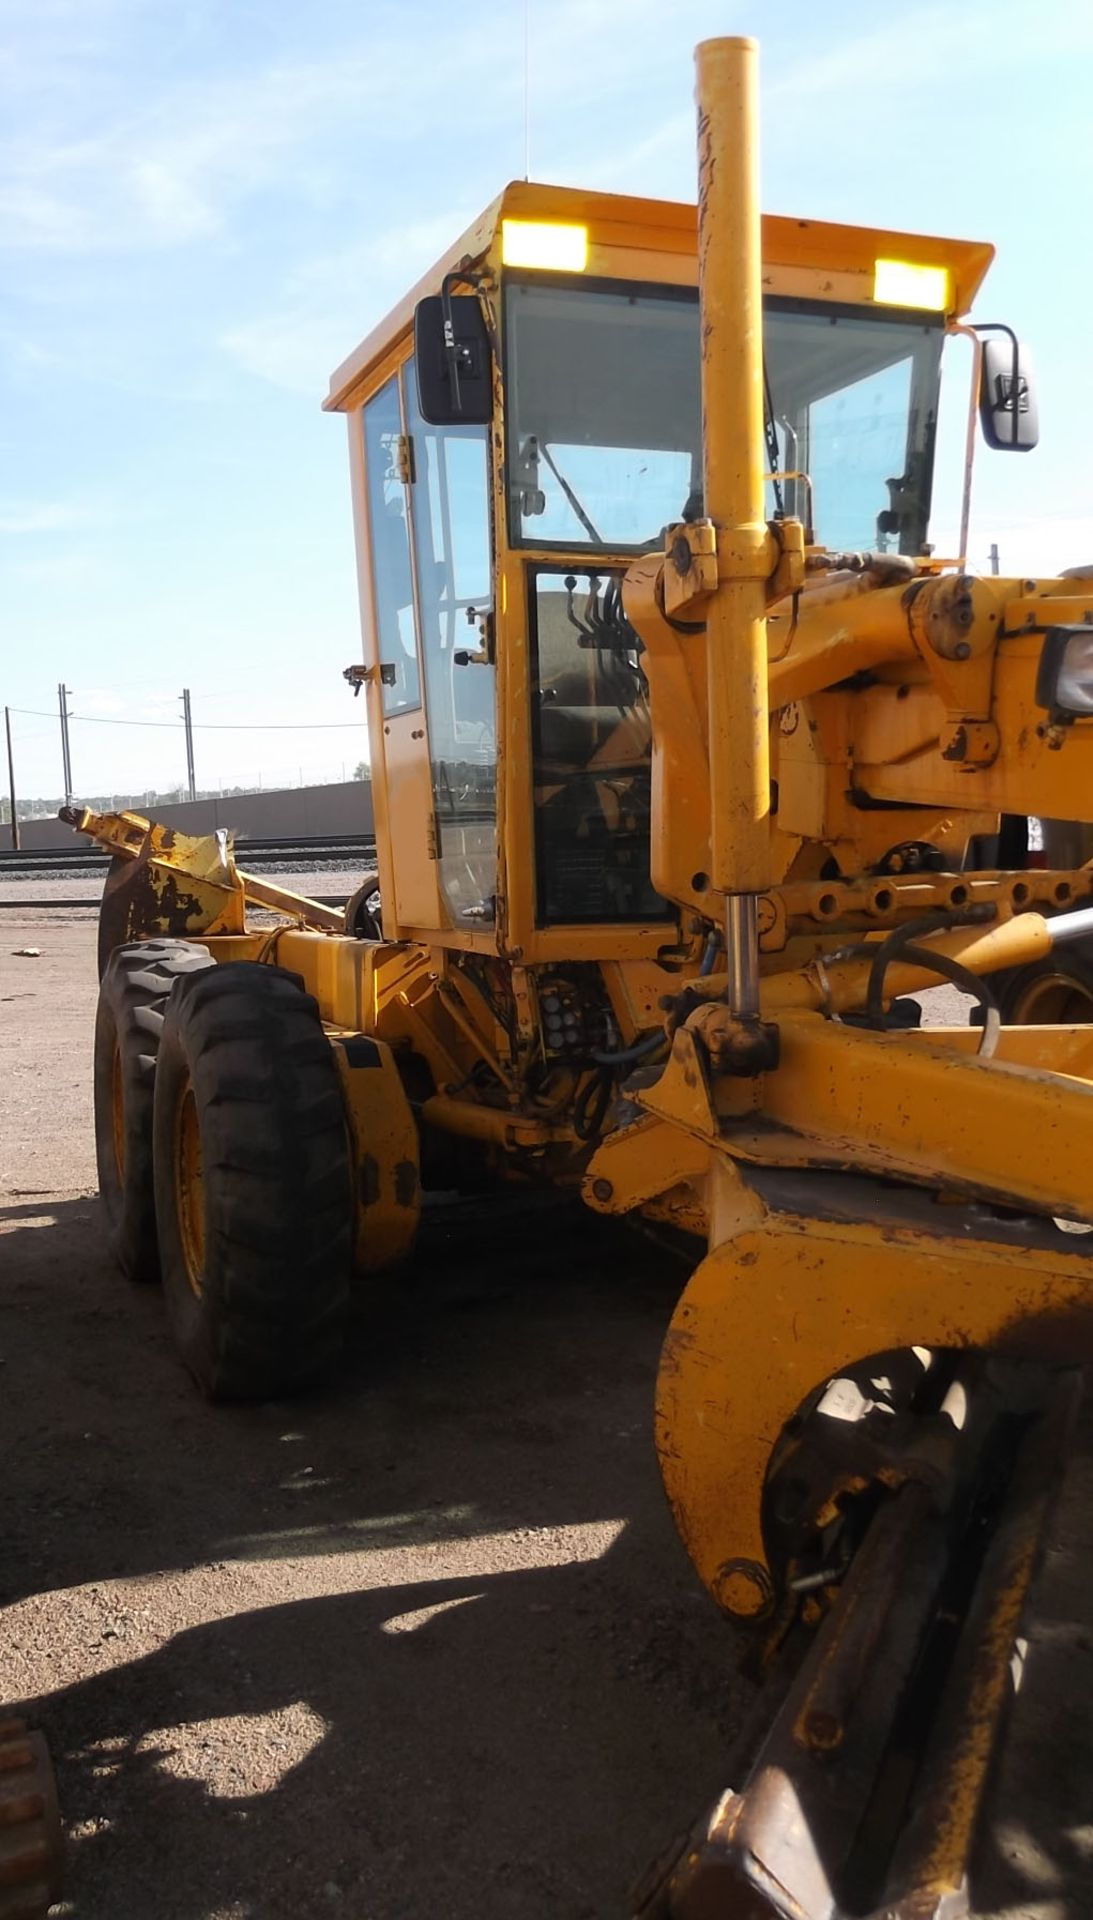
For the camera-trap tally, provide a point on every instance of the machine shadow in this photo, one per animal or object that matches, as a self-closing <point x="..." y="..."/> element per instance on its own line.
<point x="525" y="1749"/>
<point x="516" y="1739"/>
<point x="477" y="1386"/>
<point x="510" y="1745"/>
<point x="517" y="1744"/>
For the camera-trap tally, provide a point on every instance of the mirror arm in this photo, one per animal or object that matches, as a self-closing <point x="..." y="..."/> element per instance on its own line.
<point x="450" y="348"/>
<point x="969" y="333"/>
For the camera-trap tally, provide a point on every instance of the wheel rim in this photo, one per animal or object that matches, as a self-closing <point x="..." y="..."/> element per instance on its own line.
<point x="1053" y="1000"/>
<point x="190" y="1189"/>
<point x="117" y="1114"/>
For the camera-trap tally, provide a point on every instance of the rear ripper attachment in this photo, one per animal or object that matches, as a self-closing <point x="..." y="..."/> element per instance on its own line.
<point x="162" y="881"/>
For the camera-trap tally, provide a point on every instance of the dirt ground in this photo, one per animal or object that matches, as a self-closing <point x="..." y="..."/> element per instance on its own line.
<point x="422" y="1645"/>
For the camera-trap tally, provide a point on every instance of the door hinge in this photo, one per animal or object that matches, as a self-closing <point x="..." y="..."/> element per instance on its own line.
<point x="432" y="837"/>
<point x="404" y="459"/>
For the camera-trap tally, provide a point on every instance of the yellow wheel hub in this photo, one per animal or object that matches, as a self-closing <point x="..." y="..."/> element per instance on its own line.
<point x="190" y="1189"/>
<point x="1054" y="1000"/>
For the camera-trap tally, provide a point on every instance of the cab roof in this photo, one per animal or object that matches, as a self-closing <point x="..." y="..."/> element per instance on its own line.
<point x="657" y="241"/>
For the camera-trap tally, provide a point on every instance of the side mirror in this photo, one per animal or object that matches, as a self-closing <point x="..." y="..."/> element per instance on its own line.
<point x="452" y="358"/>
<point x="1007" y="395"/>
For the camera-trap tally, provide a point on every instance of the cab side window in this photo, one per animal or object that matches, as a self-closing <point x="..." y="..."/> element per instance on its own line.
<point x="451" y="548"/>
<point x="392" y="576"/>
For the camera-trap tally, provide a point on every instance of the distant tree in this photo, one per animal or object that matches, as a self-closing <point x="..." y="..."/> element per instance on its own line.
<point x="362" y="770"/>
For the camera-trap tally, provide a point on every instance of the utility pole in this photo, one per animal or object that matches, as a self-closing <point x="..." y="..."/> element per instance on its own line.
<point x="11" y="783"/>
<point x="62" y="701"/>
<point x="189" y="726"/>
<point x="994" y="556"/>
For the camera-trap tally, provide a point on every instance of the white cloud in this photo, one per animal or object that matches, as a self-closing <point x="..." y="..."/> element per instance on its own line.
<point x="294" y="351"/>
<point x="173" y="170"/>
<point x="170" y="202"/>
<point x="331" y="302"/>
<point x="46" y="517"/>
<point x="961" y="46"/>
<point x="636" y="167"/>
<point x="168" y="174"/>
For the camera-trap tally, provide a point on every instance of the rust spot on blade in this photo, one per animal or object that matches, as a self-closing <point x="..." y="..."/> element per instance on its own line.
<point x="368" y="1180"/>
<point x="405" y="1183"/>
<point x="677" y="1345"/>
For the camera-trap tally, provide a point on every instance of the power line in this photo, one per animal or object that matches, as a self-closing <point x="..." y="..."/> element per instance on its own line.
<point x="209" y="726"/>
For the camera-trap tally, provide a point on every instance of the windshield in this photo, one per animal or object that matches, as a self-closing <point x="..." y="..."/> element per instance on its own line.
<point x="604" y="417"/>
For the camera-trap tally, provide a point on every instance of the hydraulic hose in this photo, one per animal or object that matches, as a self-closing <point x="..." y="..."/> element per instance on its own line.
<point x="900" y="945"/>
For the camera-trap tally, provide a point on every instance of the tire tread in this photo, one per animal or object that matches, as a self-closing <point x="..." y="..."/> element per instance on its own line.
<point x="278" y="1226"/>
<point x="136" y="984"/>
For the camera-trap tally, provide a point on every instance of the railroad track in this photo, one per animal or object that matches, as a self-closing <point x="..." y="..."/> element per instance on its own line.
<point x="20" y="903"/>
<point x="298" y="853"/>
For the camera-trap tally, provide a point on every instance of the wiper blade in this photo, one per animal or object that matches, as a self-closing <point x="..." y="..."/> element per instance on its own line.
<point x="771" y="431"/>
<point x="571" y="497"/>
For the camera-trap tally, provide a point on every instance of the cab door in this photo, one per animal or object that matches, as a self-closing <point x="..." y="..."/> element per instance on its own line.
<point x="402" y="763"/>
<point x="450" y="543"/>
<point x="428" y="567"/>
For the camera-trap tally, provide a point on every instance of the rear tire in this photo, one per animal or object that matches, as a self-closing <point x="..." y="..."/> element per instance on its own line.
<point x="252" y="1182"/>
<point x="132" y="1000"/>
<point x="1057" y="991"/>
<point x="106" y="937"/>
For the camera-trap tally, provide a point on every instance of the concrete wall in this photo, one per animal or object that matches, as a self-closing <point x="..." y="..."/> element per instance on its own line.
<point x="344" y="807"/>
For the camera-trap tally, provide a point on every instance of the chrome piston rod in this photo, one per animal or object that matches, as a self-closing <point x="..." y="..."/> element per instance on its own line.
<point x="742" y="954"/>
<point x="1071" y="926"/>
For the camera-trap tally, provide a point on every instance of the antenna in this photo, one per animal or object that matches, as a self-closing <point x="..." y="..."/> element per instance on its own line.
<point x="527" y="89"/>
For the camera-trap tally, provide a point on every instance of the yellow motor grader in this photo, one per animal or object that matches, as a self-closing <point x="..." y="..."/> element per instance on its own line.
<point x="681" y="732"/>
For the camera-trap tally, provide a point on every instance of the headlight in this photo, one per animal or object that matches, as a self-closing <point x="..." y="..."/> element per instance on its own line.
<point x="1064" y="683"/>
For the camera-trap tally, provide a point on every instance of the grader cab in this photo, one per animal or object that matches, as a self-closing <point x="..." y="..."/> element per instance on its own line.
<point x="680" y="734"/>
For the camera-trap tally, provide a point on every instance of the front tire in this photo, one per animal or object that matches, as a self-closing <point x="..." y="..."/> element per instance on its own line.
<point x="252" y="1183"/>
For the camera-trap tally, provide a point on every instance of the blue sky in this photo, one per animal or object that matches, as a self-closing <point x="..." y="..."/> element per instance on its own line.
<point x="204" y="204"/>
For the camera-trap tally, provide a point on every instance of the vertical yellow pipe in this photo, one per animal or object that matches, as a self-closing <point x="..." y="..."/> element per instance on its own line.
<point x="730" y="287"/>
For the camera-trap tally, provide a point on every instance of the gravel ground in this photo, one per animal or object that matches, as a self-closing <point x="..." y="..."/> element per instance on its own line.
<point x="423" y="1645"/>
